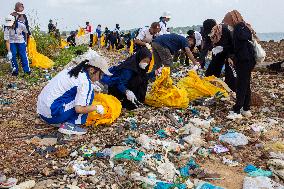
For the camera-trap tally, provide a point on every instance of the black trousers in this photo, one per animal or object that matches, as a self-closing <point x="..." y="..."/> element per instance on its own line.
<point x="243" y="90"/>
<point x="215" y="68"/>
<point x="91" y="40"/>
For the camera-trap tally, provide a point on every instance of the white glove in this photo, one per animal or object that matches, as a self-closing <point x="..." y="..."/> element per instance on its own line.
<point x="148" y="46"/>
<point x="9" y="55"/>
<point x="131" y="96"/>
<point x="217" y="50"/>
<point x="100" y="109"/>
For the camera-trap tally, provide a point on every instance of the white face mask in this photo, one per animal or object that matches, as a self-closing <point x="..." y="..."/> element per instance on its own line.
<point x="143" y="65"/>
<point x="230" y="28"/>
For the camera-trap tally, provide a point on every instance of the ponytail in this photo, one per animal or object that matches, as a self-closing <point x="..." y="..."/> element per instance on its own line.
<point x="74" y="72"/>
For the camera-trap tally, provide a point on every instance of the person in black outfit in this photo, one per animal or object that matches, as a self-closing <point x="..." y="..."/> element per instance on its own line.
<point x="130" y="79"/>
<point x="51" y="27"/>
<point x="222" y="47"/>
<point x="244" y="62"/>
<point x="72" y="39"/>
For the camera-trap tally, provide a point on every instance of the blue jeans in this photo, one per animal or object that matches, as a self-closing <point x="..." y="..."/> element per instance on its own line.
<point x="21" y="49"/>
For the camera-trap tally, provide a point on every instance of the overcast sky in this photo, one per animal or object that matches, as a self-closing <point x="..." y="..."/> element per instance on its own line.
<point x="264" y="15"/>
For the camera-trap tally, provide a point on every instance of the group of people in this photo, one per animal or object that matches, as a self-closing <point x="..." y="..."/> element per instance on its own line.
<point x="66" y="99"/>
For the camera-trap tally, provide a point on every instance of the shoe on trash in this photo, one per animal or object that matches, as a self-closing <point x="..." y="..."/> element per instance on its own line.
<point x="247" y="114"/>
<point x="234" y="116"/>
<point x="71" y="129"/>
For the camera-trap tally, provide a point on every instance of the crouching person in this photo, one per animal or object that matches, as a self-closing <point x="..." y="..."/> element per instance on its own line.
<point x="66" y="100"/>
<point x="130" y="79"/>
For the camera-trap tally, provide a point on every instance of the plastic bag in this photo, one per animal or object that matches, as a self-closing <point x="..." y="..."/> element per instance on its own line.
<point x="81" y="32"/>
<point x="234" y="139"/>
<point x="151" y="66"/>
<point x="260" y="183"/>
<point x="37" y="59"/>
<point x="103" y="42"/>
<point x="198" y="88"/>
<point x="131" y="49"/>
<point x="112" y="108"/>
<point x="259" y="52"/>
<point x="63" y="44"/>
<point x="164" y="93"/>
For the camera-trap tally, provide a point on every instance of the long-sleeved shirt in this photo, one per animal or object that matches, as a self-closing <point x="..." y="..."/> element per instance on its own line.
<point x="121" y="78"/>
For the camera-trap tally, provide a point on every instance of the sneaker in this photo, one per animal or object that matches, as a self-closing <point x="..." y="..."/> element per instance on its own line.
<point x="71" y="129"/>
<point x="247" y="114"/>
<point x="234" y="116"/>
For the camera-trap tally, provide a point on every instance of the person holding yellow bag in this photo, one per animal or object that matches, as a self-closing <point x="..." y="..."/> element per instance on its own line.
<point x="66" y="100"/>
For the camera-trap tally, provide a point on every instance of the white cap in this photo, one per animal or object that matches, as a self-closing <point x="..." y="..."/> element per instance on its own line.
<point x="97" y="61"/>
<point x="167" y="14"/>
<point x="9" y="20"/>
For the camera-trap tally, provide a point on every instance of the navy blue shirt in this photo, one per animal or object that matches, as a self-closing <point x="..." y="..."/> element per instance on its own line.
<point x="173" y="42"/>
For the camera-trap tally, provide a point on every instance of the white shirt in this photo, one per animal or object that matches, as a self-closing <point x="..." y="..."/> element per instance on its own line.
<point x="163" y="28"/>
<point x="198" y="38"/>
<point x="145" y="35"/>
<point x="66" y="91"/>
<point x="15" y="37"/>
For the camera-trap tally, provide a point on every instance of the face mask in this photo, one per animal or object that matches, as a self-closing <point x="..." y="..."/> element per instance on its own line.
<point x="143" y="65"/>
<point x="230" y="28"/>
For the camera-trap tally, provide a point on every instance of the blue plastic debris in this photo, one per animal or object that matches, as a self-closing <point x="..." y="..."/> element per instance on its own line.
<point x="130" y="140"/>
<point x="194" y="111"/>
<point x="184" y="171"/>
<point x="157" y="156"/>
<point x="133" y="124"/>
<point x="216" y="129"/>
<point x="207" y="185"/>
<point x="163" y="185"/>
<point x="162" y="133"/>
<point x="253" y="171"/>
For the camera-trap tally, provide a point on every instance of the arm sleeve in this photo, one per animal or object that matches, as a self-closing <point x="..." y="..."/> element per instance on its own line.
<point x="82" y="94"/>
<point x="125" y="76"/>
<point x="151" y="75"/>
<point x="184" y="43"/>
<point x="6" y="34"/>
<point x="242" y="33"/>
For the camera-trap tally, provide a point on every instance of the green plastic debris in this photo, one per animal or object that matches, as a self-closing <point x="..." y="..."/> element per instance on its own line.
<point x="130" y="154"/>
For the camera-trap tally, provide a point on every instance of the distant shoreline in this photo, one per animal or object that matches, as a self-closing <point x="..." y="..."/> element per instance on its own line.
<point x="275" y="36"/>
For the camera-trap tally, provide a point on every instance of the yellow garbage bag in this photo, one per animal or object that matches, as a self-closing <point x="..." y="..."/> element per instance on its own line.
<point x="164" y="93"/>
<point x="112" y="108"/>
<point x="151" y="66"/>
<point x="37" y="59"/>
<point x="197" y="87"/>
<point x="95" y="40"/>
<point x="63" y="44"/>
<point x="131" y="49"/>
<point x="103" y="43"/>
<point x="81" y="32"/>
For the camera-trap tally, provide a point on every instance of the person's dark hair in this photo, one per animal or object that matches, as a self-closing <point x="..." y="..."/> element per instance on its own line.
<point x="190" y="32"/>
<point x="83" y="66"/>
<point x="207" y="26"/>
<point x="100" y="25"/>
<point x="87" y="23"/>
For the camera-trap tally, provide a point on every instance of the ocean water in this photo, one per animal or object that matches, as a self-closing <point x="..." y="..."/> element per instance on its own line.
<point x="270" y="36"/>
